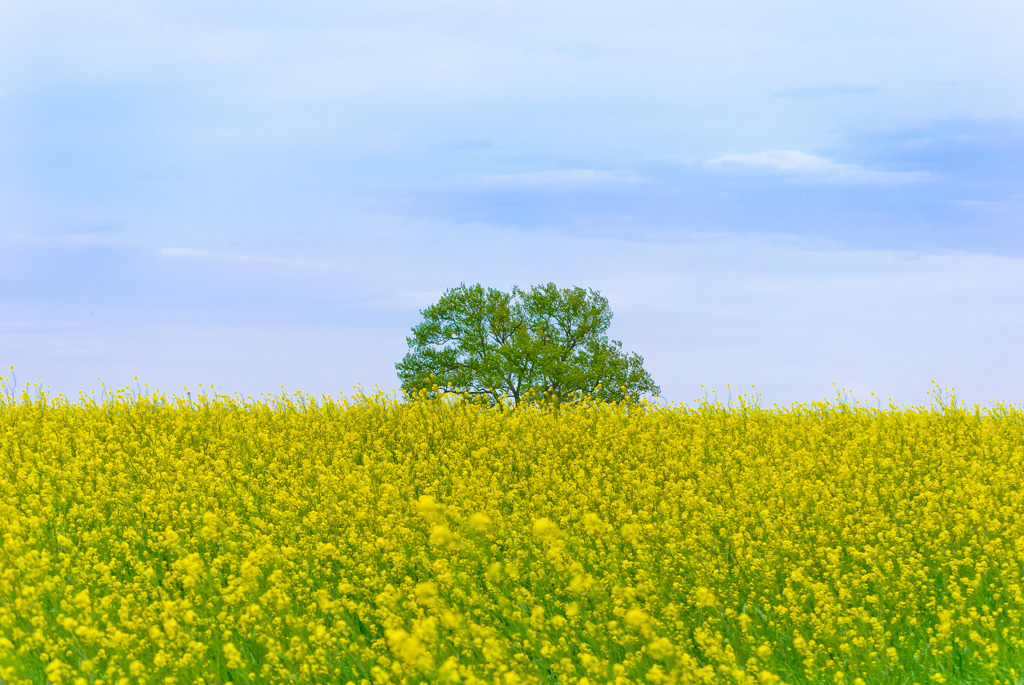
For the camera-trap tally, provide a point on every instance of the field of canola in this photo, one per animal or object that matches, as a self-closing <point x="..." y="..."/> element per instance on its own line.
<point x="148" y="539"/>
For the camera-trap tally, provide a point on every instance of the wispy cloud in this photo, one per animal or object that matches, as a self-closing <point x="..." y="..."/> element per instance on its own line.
<point x="190" y="253"/>
<point x="825" y="91"/>
<point x="562" y="177"/>
<point x="801" y="163"/>
<point x="469" y="145"/>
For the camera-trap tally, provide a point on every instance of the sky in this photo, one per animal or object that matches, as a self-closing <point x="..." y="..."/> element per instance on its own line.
<point x="785" y="198"/>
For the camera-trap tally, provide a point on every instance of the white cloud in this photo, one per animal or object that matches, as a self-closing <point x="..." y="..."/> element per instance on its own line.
<point x="796" y="162"/>
<point x="561" y="177"/>
<point x="826" y="91"/>
<point x="241" y="258"/>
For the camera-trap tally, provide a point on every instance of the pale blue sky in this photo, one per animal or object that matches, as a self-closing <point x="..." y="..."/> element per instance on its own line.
<point x="254" y="194"/>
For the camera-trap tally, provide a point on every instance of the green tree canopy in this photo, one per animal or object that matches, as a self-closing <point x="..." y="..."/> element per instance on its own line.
<point x="493" y="344"/>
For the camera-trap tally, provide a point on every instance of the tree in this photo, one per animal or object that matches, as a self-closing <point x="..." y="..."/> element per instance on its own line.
<point x="493" y="344"/>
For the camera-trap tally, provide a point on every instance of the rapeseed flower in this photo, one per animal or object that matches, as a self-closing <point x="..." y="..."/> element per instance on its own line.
<point x="153" y="539"/>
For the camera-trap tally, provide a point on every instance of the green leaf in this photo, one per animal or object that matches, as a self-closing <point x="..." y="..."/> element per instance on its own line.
<point x="541" y="345"/>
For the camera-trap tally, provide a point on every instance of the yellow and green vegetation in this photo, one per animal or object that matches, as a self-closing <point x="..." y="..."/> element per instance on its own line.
<point x="148" y="539"/>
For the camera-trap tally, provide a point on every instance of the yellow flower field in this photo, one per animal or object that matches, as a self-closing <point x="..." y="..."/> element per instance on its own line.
<point x="148" y="539"/>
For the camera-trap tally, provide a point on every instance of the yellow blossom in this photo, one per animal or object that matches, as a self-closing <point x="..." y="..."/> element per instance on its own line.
<point x="480" y="521"/>
<point x="173" y="540"/>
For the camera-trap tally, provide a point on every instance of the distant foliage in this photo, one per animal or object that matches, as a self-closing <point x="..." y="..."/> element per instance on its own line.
<point x="209" y="540"/>
<point x="544" y="344"/>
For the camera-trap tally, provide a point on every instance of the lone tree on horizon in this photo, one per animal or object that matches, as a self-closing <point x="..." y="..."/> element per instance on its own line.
<point x="493" y="344"/>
